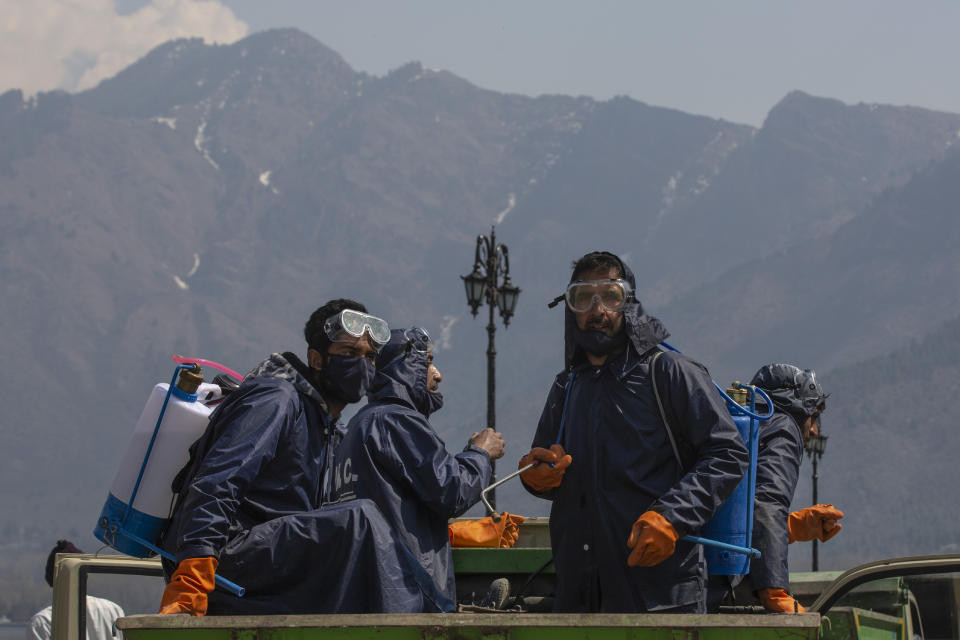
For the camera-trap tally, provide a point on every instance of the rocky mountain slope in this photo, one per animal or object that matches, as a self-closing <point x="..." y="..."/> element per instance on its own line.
<point x="205" y="200"/>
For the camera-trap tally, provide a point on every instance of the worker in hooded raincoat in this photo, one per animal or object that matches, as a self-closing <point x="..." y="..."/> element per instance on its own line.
<point x="251" y="498"/>
<point x="622" y="495"/>
<point x="798" y="401"/>
<point x="392" y="456"/>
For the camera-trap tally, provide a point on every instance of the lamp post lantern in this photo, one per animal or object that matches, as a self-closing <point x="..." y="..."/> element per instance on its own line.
<point x="490" y="282"/>
<point x="815" y="448"/>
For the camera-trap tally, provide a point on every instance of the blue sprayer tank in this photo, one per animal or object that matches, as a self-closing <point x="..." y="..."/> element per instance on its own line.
<point x="140" y="497"/>
<point x="733" y="521"/>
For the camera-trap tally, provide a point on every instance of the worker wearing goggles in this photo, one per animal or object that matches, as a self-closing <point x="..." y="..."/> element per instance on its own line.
<point x="392" y="455"/>
<point x="622" y="500"/>
<point x="253" y="500"/>
<point x="485" y="532"/>
<point x="798" y="400"/>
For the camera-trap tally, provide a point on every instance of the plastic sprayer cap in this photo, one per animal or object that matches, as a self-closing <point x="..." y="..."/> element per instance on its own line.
<point x="189" y="380"/>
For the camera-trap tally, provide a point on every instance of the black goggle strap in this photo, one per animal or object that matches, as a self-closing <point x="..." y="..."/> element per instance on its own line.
<point x="560" y="298"/>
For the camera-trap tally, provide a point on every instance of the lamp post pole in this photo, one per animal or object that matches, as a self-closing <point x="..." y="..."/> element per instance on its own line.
<point x="491" y="365"/>
<point x="490" y="282"/>
<point x="815" y="448"/>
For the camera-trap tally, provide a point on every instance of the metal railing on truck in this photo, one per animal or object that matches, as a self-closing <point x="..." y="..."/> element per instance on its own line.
<point x="73" y="570"/>
<point x="70" y="612"/>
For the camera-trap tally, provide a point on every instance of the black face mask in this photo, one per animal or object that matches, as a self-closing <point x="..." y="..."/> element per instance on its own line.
<point x="434" y="402"/>
<point x="347" y="378"/>
<point x="598" y="343"/>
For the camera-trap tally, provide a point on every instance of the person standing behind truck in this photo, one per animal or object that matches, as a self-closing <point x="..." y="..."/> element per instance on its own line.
<point x="101" y="613"/>
<point x="621" y="500"/>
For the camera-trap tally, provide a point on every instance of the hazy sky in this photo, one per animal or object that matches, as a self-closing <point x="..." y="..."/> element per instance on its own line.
<point x="731" y="59"/>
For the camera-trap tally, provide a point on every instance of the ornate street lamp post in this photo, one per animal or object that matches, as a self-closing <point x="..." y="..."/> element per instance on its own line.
<point x="490" y="282"/>
<point x="815" y="448"/>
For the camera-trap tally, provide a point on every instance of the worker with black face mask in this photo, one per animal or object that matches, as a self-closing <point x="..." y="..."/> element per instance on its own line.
<point x="622" y="496"/>
<point x="392" y="455"/>
<point x="250" y="499"/>
<point x="343" y="365"/>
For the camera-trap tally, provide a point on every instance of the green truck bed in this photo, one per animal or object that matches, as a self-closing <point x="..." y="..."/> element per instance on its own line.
<point x="476" y="626"/>
<point x="869" y="601"/>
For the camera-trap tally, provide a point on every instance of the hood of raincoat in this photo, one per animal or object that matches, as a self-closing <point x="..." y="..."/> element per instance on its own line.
<point x="289" y="367"/>
<point x="263" y="456"/>
<point x="401" y="375"/>
<point x="793" y="390"/>
<point x="644" y="332"/>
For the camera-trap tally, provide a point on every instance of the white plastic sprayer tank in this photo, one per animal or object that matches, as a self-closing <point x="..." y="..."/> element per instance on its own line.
<point x="184" y="420"/>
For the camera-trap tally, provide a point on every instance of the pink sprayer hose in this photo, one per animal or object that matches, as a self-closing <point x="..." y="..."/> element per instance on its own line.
<point x="207" y="363"/>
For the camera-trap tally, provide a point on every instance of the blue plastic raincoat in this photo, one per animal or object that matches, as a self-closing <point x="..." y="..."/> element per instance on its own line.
<point x="779" y="454"/>
<point x="391" y="455"/>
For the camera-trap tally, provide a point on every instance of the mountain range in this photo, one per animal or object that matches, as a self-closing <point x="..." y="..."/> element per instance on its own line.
<point x="207" y="198"/>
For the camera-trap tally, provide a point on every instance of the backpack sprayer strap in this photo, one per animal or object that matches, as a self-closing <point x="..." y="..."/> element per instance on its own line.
<point x="753" y="553"/>
<point x="663" y="413"/>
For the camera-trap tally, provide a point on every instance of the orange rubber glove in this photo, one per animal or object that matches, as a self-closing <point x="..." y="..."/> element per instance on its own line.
<point x="543" y="477"/>
<point x="779" y="601"/>
<point x="653" y="540"/>
<point x="485" y="532"/>
<point x="189" y="586"/>
<point x="818" y="521"/>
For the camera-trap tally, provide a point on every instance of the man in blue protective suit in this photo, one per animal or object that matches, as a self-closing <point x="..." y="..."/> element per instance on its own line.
<point x="798" y="400"/>
<point x="250" y="498"/>
<point x="392" y="455"/>
<point x="622" y="495"/>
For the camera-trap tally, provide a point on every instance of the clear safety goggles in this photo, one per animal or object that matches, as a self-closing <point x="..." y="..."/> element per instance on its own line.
<point x="612" y="295"/>
<point x="349" y="325"/>
<point x="418" y="339"/>
<point x="810" y="392"/>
